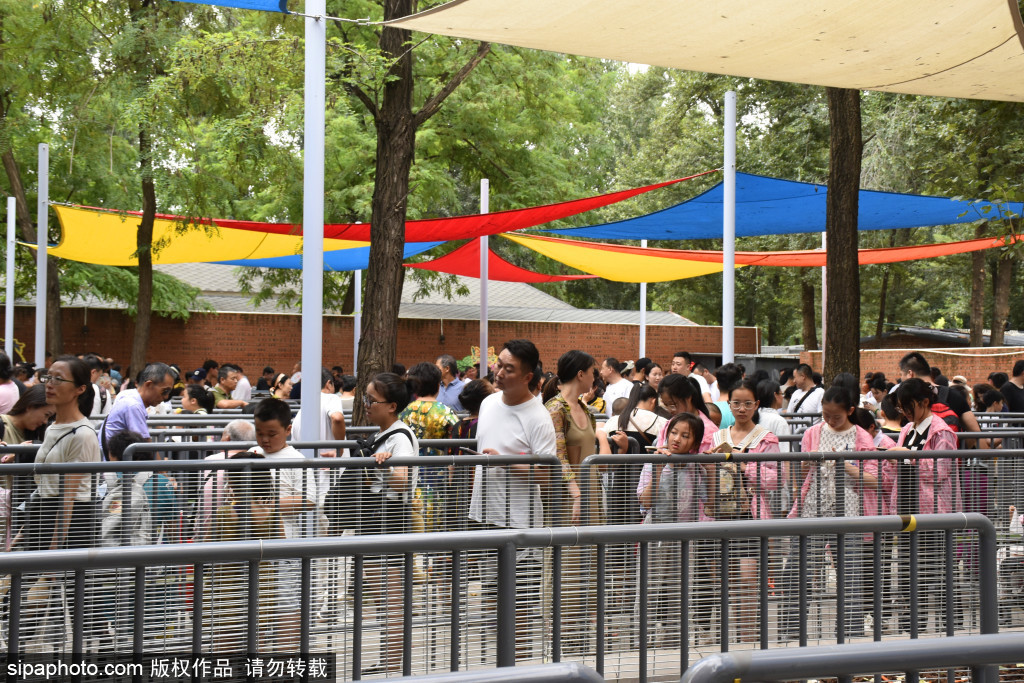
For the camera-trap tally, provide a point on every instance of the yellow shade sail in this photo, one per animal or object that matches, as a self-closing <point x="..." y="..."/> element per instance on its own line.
<point x="109" y="238"/>
<point x="620" y="265"/>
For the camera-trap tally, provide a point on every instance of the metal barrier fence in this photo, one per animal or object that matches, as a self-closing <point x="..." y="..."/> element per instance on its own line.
<point x="487" y="610"/>
<point x="979" y="652"/>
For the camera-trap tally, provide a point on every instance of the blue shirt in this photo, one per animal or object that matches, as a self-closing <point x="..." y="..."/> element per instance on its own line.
<point x="449" y="395"/>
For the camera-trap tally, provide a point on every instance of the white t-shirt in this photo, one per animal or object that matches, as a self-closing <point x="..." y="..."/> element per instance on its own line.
<point x="811" y="405"/>
<point x="289" y="481"/>
<point x="510" y="430"/>
<point x="620" y="389"/>
<point x="99" y="405"/>
<point x="776" y="424"/>
<point x="329" y="404"/>
<point x="713" y="390"/>
<point x="399" y="446"/>
<point x="704" y="388"/>
<point x="243" y="390"/>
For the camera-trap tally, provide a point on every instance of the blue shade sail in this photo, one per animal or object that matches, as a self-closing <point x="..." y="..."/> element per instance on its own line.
<point x="770" y="206"/>
<point x="357" y="258"/>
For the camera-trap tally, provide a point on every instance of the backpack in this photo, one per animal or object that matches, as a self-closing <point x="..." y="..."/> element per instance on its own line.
<point x="139" y="529"/>
<point x="349" y="500"/>
<point x="942" y="410"/>
<point x="733" y="499"/>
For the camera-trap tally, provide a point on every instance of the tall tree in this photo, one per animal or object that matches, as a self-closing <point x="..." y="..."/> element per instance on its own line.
<point x="396" y="124"/>
<point x="842" y="301"/>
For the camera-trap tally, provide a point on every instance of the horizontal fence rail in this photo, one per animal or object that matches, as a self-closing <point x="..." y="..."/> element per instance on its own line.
<point x="864" y="658"/>
<point x="460" y="619"/>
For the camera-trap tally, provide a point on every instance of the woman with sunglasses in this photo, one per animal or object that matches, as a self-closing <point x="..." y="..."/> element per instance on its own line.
<point x="741" y="492"/>
<point x="63" y="516"/>
<point x="386" y="508"/>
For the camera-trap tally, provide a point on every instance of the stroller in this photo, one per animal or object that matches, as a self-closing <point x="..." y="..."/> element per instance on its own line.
<point x="1010" y="560"/>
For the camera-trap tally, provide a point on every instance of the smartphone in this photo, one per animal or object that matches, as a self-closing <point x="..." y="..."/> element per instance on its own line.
<point x="468" y="451"/>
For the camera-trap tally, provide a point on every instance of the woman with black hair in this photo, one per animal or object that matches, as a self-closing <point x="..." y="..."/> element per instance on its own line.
<point x="924" y="485"/>
<point x="25" y="423"/>
<point x="638" y="419"/>
<point x="682" y="395"/>
<point x="64" y="516"/>
<point x="282" y="387"/>
<point x="61" y="512"/>
<point x="387" y="499"/>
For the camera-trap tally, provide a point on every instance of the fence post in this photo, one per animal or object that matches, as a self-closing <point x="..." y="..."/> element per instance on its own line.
<point x="507" y="605"/>
<point x="988" y="579"/>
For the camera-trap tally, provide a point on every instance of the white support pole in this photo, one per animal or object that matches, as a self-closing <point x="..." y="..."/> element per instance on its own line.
<point x="824" y="296"/>
<point x="42" y="237"/>
<point x="729" y="232"/>
<point x="485" y="207"/>
<point x="313" y="217"/>
<point x="357" y="321"/>
<point x="9" y="307"/>
<point x="643" y="313"/>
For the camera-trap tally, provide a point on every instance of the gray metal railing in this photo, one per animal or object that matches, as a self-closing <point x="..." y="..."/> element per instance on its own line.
<point x="511" y="606"/>
<point x="978" y="652"/>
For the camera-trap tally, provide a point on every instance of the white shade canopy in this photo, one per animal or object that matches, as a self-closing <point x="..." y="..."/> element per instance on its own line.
<point x="952" y="48"/>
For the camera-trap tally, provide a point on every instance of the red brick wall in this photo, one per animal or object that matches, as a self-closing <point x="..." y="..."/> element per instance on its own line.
<point x="255" y="340"/>
<point x="973" y="363"/>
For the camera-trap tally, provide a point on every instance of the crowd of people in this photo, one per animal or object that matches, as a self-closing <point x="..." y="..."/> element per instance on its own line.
<point x="82" y="409"/>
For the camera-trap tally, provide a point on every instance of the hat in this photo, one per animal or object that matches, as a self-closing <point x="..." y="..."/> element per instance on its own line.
<point x="197" y="374"/>
<point x="959" y="379"/>
<point x="627" y="366"/>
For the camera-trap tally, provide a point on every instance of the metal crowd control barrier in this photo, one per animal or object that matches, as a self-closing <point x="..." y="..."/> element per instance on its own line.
<point x="563" y="672"/>
<point x="512" y="602"/>
<point x="979" y="652"/>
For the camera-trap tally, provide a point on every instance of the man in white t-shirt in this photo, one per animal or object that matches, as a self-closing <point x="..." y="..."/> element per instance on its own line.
<point x="616" y="386"/>
<point x="807" y="397"/>
<point x="242" y="390"/>
<point x="514" y="421"/>
<point x="332" y="416"/>
<point x="683" y="364"/>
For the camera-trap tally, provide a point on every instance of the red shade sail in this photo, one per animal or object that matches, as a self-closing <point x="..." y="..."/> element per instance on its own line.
<point x="447" y="229"/>
<point x="466" y="261"/>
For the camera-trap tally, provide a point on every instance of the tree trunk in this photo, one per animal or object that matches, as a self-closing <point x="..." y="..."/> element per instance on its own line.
<point x="396" y="133"/>
<point x="26" y="226"/>
<point x="396" y="125"/>
<point x="842" y="304"/>
<point x="144" y="243"/>
<point x="1002" y="279"/>
<point x="884" y="293"/>
<point x="978" y="291"/>
<point x="810" y="325"/>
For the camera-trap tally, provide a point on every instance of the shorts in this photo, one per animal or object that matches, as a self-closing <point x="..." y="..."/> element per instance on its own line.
<point x="288" y="588"/>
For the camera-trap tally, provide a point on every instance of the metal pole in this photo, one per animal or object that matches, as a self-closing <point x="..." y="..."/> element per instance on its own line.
<point x="42" y="237"/>
<point x="357" y="320"/>
<point x="643" y="313"/>
<point x="9" y="308"/>
<point x="313" y="213"/>
<point x="485" y="207"/>
<point x="729" y="232"/>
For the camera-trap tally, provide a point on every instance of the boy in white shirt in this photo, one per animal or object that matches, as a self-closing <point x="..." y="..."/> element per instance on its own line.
<point x="297" y="491"/>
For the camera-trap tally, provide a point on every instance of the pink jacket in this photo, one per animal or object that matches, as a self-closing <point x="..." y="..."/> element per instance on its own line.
<point x="811" y="442"/>
<point x="764" y="476"/>
<point x="938" y="489"/>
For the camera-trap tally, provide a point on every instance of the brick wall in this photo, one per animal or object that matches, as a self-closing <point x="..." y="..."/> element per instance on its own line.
<point x="973" y="363"/>
<point x="255" y="340"/>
